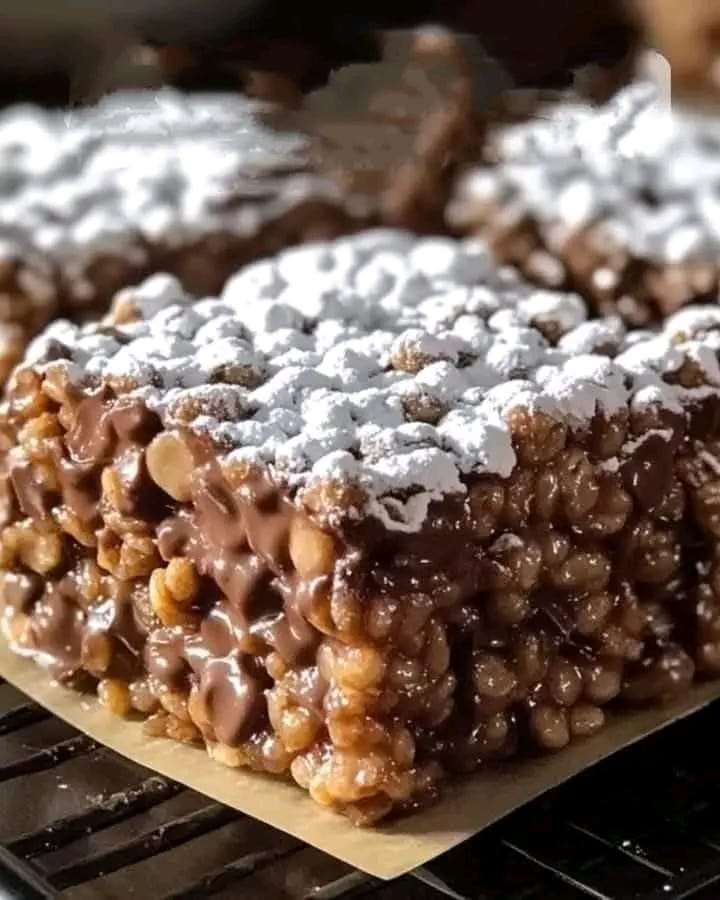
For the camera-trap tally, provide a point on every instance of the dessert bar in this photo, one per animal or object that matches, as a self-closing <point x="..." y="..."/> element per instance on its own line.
<point x="380" y="513"/>
<point x="617" y="202"/>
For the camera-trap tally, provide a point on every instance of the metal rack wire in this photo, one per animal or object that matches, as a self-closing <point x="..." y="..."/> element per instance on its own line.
<point x="80" y="822"/>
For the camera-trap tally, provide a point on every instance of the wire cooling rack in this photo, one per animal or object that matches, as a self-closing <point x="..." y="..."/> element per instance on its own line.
<point x="78" y="821"/>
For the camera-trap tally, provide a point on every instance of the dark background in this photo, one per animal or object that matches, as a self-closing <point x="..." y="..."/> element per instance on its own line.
<point x="60" y="51"/>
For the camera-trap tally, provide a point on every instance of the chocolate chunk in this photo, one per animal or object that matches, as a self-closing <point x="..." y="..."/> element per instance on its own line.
<point x="649" y="471"/>
<point x="164" y="657"/>
<point x="233" y="697"/>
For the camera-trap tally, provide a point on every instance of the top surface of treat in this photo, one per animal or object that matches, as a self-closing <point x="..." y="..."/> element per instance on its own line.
<point x="649" y="175"/>
<point x="144" y="166"/>
<point x="382" y="360"/>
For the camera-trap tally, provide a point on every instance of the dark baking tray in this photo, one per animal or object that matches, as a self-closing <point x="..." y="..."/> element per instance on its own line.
<point x="77" y="821"/>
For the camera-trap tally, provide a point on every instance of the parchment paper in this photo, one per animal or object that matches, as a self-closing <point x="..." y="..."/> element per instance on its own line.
<point x="468" y="805"/>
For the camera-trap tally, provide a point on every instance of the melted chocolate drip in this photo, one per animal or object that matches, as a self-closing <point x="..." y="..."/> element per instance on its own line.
<point x="233" y="692"/>
<point x="57" y="625"/>
<point x="165" y="657"/>
<point x="239" y="540"/>
<point x="79" y="485"/>
<point x="105" y="427"/>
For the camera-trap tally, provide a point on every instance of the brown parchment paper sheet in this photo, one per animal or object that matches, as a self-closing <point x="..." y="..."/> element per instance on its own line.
<point x="467" y="806"/>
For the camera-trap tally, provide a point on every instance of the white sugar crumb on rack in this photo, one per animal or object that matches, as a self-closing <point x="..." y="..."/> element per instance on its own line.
<point x="380" y="359"/>
<point x="144" y="167"/>
<point x="649" y="177"/>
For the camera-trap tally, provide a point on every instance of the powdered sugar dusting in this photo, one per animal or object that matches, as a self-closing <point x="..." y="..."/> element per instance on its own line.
<point x="648" y="177"/>
<point x="382" y="360"/>
<point x="143" y="167"/>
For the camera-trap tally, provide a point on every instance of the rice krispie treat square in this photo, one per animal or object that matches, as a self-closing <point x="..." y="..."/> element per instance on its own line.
<point x="618" y="202"/>
<point x="380" y="513"/>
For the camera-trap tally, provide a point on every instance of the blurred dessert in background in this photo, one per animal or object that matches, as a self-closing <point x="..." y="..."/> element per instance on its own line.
<point x="198" y="184"/>
<point x="620" y="203"/>
<point x="92" y="201"/>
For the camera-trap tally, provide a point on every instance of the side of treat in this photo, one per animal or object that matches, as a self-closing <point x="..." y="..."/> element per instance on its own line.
<point x="617" y="202"/>
<point x="197" y="185"/>
<point x="380" y="514"/>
